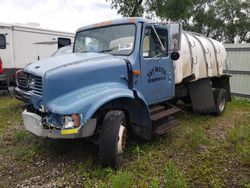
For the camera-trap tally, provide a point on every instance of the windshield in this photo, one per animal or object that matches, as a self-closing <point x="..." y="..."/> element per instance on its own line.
<point x="116" y="40"/>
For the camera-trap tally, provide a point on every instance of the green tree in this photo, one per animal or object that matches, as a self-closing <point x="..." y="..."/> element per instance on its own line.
<point x="128" y="8"/>
<point x="206" y="19"/>
<point x="171" y="9"/>
<point x="222" y="20"/>
<point x="235" y="17"/>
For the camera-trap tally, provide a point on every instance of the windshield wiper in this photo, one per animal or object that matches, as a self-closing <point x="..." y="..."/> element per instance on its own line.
<point x="107" y="50"/>
<point x="85" y="51"/>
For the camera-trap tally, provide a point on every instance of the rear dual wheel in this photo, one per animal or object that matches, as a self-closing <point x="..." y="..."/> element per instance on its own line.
<point x="220" y="98"/>
<point x="113" y="139"/>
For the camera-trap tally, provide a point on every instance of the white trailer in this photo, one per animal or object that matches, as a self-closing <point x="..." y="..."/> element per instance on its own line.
<point x="25" y="43"/>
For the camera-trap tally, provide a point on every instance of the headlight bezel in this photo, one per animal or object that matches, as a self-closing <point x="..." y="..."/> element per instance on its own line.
<point x="71" y="121"/>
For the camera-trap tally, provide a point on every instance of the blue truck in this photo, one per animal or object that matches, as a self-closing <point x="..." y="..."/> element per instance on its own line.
<point x="124" y="75"/>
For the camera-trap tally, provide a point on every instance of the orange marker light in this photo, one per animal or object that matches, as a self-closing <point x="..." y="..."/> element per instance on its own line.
<point x="77" y="120"/>
<point x="136" y="72"/>
<point x="132" y="19"/>
<point x="109" y="22"/>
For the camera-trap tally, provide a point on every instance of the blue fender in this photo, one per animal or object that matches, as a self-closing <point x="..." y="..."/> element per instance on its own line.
<point x="87" y="100"/>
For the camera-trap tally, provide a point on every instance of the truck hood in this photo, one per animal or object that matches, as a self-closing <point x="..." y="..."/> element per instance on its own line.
<point x="39" y="68"/>
<point x="72" y="72"/>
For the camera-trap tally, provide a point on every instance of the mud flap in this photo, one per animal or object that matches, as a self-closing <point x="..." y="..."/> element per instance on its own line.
<point x="223" y="83"/>
<point x="201" y="95"/>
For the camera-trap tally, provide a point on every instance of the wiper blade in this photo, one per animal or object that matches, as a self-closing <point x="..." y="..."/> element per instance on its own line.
<point x="107" y="50"/>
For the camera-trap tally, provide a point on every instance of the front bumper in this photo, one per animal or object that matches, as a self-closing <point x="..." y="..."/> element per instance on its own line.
<point x="33" y="123"/>
<point x="22" y="94"/>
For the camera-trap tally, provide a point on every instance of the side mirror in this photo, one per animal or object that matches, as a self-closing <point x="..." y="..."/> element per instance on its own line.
<point x="63" y="42"/>
<point x="175" y="32"/>
<point x="175" y="56"/>
<point x="2" y="41"/>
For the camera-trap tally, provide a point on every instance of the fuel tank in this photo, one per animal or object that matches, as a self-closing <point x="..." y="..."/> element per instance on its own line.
<point x="200" y="56"/>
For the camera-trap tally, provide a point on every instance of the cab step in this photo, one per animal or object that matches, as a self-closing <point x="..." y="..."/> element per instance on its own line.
<point x="156" y="109"/>
<point x="158" y="115"/>
<point x="165" y="126"/>
<point x="162" y="117"/>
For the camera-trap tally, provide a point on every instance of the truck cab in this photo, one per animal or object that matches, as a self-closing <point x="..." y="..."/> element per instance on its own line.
<point x="119" y="78"/>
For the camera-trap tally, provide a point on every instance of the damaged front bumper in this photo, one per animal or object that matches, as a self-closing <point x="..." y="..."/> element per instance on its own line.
<point x="33" y="123"/>
<point x="22" y="95"/>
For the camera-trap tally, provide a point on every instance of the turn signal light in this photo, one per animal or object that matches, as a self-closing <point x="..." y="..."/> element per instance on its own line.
<point x="136" y="72"/>
<point x="76" y="119"/>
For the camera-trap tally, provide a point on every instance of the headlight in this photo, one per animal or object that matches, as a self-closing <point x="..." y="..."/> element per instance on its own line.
<point x="71" y="121"/>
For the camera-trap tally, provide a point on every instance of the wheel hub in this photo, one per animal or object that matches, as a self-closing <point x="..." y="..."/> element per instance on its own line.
<point x="122" y="139"/>
<point x="222" y="104"/>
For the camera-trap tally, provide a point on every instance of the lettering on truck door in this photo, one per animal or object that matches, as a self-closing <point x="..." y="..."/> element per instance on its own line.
<point x="156" y="65"/>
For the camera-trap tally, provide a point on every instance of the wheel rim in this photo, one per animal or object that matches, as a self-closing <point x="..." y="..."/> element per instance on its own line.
<point x="222" y="104"/>
<point x="122" y="138"/>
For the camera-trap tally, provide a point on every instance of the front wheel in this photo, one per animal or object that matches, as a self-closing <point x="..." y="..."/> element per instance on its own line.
<point x="113" y="139"/>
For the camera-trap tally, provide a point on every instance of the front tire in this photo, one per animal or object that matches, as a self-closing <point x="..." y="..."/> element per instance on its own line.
<point x="113" y="139"/>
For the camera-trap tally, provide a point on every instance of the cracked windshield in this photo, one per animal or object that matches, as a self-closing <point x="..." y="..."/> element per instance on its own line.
<point x="116" y="40"/>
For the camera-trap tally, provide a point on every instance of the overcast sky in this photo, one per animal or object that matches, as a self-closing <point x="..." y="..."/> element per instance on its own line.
<point x="63" y="15"/>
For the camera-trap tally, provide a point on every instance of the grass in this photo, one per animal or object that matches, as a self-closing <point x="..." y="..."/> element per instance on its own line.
<point x="203" y="151"/>
<point x="122" y="180"/>
<point x="174" y="178"/>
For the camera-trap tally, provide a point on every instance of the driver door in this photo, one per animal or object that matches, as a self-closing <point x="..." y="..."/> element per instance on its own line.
<point x="156" y="65"/>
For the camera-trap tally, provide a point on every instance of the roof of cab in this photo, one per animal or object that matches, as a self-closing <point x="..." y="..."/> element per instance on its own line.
<point x="116" y="21"/>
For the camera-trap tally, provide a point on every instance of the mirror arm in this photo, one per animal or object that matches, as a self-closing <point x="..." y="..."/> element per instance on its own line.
<point x="163" y="48"/>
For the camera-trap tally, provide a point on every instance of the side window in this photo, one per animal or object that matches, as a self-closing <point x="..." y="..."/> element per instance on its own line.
<point x="63" y="42"/>
<point x="2" y="41"/>
<point x="151" y="44"/>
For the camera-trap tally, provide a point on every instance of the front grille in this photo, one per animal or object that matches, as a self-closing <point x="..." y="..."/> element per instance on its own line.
<point x="35" y="85"/>
<point x="22" y="82"/>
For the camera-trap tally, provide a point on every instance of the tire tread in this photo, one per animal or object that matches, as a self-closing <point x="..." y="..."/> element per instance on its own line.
<point x="109" y="133"/>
